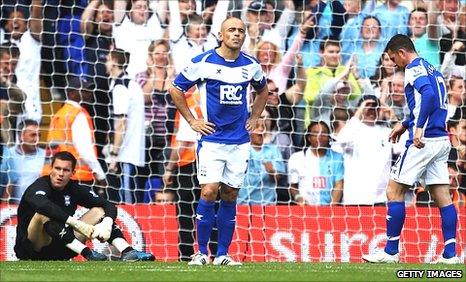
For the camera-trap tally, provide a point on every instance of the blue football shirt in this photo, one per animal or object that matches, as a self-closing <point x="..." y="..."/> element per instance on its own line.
<point x="426" y="96"/>
<point x="223" y="86"/>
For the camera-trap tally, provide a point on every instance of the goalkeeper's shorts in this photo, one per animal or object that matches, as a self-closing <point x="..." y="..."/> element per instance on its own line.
<point x="55" y="251"/>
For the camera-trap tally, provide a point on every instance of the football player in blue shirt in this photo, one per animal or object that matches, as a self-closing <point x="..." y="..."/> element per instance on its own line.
<point x="222" y="76"/>
<point x="426" y="154"/>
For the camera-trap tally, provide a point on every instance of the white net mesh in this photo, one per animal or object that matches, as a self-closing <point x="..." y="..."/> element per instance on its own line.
<point x="319" y="58"/>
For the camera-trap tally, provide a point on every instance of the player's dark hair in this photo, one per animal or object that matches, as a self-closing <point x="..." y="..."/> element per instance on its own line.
<point x="65" y="156"/>
<point x="121" y="57"/>
<point x="400" y="41"/>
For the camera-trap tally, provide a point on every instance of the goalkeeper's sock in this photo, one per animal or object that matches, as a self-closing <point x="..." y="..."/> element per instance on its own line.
<point x="226" y="226"/>
<point x="120" y="244"/>
<point x="395" y="219"/>
<point x="77" y="247"/>
<point x="129" y="249"/>
<point x="86" y="252"/>
<point x="205" y="215"/>
<point x="449" y="221"/>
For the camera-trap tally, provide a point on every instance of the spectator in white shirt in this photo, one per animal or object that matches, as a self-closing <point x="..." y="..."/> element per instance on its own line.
<point x="367" y="153"/>
<point x="449" y="66"/>
<point x="135" y="30"/>
<point x="27" y="36"/>
<point x="129" y="135"/>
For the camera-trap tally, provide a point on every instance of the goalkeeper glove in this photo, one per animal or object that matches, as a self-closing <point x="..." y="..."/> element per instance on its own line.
<point x="80" y="226"/>
<point x="103" y="229"/>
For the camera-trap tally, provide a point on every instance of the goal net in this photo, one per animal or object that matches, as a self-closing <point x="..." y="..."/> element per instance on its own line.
<point x="93" y="77"/>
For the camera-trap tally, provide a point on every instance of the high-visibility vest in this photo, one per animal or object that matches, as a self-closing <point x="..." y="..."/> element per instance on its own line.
<point x="188" y="155"/>
<point x="60" y="138"/>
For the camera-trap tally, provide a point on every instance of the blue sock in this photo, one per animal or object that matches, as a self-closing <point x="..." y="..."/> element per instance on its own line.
<point x="226" y="226"/>
<point x="449" y="221"/>
<point x="205" y="215"/>
<point x="395" y="219"/>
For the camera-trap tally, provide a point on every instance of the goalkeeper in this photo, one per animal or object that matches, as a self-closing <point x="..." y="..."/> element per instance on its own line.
<point x="47" y="229"/>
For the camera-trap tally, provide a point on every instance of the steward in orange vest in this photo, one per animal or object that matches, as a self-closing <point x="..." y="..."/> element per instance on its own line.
<point x="82" y="146"/>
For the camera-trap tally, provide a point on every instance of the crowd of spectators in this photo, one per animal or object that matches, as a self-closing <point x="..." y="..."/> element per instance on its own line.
<point x="334" y="94"/>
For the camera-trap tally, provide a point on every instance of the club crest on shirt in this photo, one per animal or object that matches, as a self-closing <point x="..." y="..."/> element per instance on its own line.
<point x="418" y="71"/>
<point x="67" y="199"/>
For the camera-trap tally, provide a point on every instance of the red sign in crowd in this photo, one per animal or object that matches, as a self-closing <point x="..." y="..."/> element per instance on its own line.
<point x="279" y="233"/>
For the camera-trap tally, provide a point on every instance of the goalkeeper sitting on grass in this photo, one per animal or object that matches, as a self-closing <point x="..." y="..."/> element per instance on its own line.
<point x="47" y="229"/>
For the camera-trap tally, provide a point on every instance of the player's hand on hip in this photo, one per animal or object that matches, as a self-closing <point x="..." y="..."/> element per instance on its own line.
<point x="81" y="227"/>
<point x="417" y="138"/>
<point x="202" y="126"/>
<point x="396" y="132"/>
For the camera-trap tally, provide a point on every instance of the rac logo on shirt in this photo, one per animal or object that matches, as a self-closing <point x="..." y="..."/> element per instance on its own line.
<point x="230" y="95"/>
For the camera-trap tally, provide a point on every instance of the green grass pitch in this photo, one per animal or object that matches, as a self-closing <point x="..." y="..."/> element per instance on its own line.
<point x="160" y="271"/>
